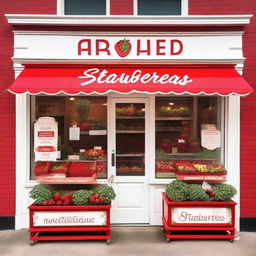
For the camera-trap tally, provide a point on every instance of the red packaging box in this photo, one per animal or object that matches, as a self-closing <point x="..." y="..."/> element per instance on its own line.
<point x="59" y="167"/>
<point x="42" y="168"/>
<point x="82" y="169"/>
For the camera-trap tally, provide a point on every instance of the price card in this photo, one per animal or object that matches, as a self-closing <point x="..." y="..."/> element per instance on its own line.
<point x="74" y="133"/>
<point x="210" y="139"/>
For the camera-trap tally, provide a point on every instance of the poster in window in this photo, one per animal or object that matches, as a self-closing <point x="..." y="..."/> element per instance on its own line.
<point x="45" y="139"/>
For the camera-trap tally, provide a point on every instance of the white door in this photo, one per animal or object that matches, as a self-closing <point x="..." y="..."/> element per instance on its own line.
<point x="128" y="165"/>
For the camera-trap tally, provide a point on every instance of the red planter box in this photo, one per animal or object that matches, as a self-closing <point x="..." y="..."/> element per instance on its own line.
<point x="198" y="220"/>
<point x="91" y="222"/>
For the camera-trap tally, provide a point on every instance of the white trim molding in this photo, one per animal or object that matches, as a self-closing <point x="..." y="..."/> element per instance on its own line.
<point x="70" y="20"/>
<point x="232" y="148"/>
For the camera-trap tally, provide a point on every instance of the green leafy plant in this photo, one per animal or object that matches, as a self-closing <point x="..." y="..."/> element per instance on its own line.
<point x="83" y="109"/>
<point x="177" y="190"/>
<point x="223" y="192"/>
<point x="197" y="193"/>
<point x="65" y="151"/>
<point x="40" y="193"/>
<point x="80" y="197"/>
<point x="107" y="192"/>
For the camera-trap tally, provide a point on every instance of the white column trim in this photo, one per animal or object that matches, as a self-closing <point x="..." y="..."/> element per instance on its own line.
<point x="232" y="149"/>
<point x="22" y="154"/>
<point x="60" y="7"/>
<point x="184" y="7"/>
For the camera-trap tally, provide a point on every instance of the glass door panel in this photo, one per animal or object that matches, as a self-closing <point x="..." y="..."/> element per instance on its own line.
<point x="130" y="139"/>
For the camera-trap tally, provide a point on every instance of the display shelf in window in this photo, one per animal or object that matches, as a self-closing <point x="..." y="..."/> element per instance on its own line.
<point x="130" y="131"/>
<point x="130" y="117"/>
<point x="94" y="132"/>
<point x="63" y="172"/>
<point x="200" y="170"/>
<point x="174" y="118"/>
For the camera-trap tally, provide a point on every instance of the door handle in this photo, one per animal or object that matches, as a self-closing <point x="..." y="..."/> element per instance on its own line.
<point x="113" y="159"/>
<point x="111" y="179"/>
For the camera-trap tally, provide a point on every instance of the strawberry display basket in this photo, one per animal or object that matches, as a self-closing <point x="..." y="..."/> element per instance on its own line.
<point x="198" y="220"/>
<point x="90" y="222"/>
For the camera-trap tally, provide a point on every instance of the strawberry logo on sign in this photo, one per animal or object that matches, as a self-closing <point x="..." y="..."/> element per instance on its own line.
<point x="123" y="47"/>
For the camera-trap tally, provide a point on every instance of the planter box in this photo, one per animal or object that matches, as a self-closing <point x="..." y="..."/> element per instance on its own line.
<point x="198" y="220"/>
<point x="91" y="222"/>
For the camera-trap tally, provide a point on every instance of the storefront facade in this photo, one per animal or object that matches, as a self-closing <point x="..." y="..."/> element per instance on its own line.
<point x="211" y="45"/>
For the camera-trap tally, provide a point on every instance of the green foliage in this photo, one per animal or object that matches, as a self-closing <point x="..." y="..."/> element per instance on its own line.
<point x="107" y="192"/>
<point x="65" y="151"/>
<point x="40" y="193"/>
<point x="207" y="154"/>
<point x="177" y="190"/>
<point x="197" y="193"/>
<point x="223" y="192"/>
<point x="83" y="109"/>
<point x="80" y="197"/>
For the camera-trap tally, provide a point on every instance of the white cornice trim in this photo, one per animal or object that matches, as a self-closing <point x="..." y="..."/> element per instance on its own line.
<point x="126" y="33"/>
<point x="70" y="20"/>
<point x="19" y="61"/>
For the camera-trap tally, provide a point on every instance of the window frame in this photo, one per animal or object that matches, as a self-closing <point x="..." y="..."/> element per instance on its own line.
<point x="61" y="8"/>
<point x="184" y="8"/>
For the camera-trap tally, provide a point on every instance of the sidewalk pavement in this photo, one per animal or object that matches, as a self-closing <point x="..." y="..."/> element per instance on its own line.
<point x="127" y="241"/>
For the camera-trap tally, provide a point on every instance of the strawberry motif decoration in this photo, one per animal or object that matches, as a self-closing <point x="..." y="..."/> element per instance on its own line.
<point x="123" y="47"/>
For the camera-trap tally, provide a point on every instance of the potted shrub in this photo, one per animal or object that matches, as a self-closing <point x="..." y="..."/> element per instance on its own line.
<point x="188" y="208"/>
<point x="83" y="108"/>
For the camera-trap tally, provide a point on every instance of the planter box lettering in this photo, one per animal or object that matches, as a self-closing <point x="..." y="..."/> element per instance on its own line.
<point x="90" y="222"/>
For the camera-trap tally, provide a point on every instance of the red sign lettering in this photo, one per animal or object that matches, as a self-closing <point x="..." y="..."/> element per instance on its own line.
<point x="105" y="47"/>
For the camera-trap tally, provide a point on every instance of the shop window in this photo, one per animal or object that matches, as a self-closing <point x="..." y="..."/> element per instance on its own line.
<point x="90" y="115"/>
<point x="159" y="7"/>
<point x="85" y="7"/>
<point x="179" y="122"/>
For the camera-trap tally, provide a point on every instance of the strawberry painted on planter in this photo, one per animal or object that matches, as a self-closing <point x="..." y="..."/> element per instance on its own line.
<point x="123" y="47"/>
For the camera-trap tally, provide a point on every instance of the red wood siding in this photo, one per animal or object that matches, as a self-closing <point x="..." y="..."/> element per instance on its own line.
<point x="7" y="100"/>
<point x="248" y="104"/>
<point x="120" y="7"/>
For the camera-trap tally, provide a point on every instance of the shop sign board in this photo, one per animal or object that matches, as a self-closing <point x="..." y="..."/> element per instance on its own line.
<point x="45" y="139"/>
<point x="69" y="218"/>
<point x="130" y="47"/>
<point x="201" y="215"/>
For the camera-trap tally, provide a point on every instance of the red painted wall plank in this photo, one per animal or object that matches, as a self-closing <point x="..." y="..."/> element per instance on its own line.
<point x="7" y="100"/>
<point x="120" y="7"/>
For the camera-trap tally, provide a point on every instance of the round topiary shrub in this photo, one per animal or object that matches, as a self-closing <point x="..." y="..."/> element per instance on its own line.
<point x="197" y="193"/>
<point x="40" y="193"/>
<point x="223" y="192"/>
<point x="177" y="190"/>
<point x="107" y="192"/>
<point x="80" y="197"/>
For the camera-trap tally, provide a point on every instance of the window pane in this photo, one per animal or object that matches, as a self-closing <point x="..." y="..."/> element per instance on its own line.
<point x="159" y="7"/>
<point x="85" y="7"/>
<point x="179" y="121"/>
<point x="130" y="139"/>
<point x="88" y="113"/>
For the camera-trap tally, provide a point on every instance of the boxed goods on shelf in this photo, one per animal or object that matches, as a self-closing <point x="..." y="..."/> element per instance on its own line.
<point x="42" y="168"/>
<point x="82" y="169"/>
<point x="59" y="167"/>
<point x="196" y="170"/>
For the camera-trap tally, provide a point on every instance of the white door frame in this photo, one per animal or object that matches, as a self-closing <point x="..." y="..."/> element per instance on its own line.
<point x="112" y="100"/>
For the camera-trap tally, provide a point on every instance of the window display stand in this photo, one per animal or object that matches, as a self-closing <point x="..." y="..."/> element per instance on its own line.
<point x="176" y="228"/>
<point x="41" y="218"/>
